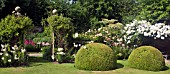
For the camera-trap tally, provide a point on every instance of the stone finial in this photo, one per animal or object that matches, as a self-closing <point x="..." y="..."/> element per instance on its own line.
<point x="17" y="9"/>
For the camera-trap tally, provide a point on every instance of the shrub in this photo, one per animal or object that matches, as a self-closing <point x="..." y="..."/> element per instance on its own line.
<point x="13" y="27"/>
<point x="121" y="51"/>
<point x="30" y="46"/>
<point x="146" y="58"/>
<point x="63" y="56"/>
<point x="110" y="35"/>
<point x="62" y="28"/>
<point x="103" y="34"/>
<point x="12" y="56"/>
<point x="95" y="57"/>
<point x="47" y="53"/>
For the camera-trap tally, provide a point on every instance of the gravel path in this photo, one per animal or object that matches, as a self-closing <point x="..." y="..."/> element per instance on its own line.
<point x="35" y="54"/>
<point x="167" y="61"/>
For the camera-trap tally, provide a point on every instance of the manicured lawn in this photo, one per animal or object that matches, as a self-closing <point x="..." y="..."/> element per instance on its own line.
<point x="39" y="66"/>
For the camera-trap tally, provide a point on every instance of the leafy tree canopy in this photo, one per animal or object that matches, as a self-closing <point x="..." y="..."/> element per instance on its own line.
<point x="155" y="10"/>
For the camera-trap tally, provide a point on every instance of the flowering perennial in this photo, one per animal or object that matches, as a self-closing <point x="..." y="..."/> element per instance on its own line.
<point x="27" y="42"/>
<point x="13" y="56"/>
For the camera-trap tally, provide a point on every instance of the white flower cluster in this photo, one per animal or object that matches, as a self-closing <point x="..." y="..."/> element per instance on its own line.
<point x="136" y="28"/>
<point x="60" y="51"/>
<point x="130" y="31"/>
<point x="16" y="53"/>
<point x="75" y="35"/>
<point x="159" y="30"/>
<point x="76" y="45"/>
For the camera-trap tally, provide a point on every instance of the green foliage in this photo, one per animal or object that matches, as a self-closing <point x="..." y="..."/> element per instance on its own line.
<point x="96" y="57"/>
<point x="64" y="57"/>
<point x="12" y="26"/>
<point x="112" y="31"/>
<point x="31" y="48"/>
<point x="121" y="51"/>
<point x="80" y="18"/>
<point x="81" y="12"/>
<point x="108" y="8"/>
<point x="45" y="36"/>
<point x="85" y="14"/>
<point x="60" y="23"/>
<point x="12" y="56"/>
<point x="62" y="27"/>
<point x="2" y="4"/>
<point x="111" y="35"/>
<point x="35" y="9"/>
<point x="146" y="58"/>
<point x="47" y="53"/>
<point x="43" y="39"/>
<point x="155" y="11"/>
<point x="76" y="12"/>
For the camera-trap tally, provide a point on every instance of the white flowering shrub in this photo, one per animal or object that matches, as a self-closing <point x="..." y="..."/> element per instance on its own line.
<point x="62" y="56"/>
<point x="131" y="36"/>
<point x="157" y="31"/>
<point x="12" y="56"/>
<point x="112" y="35"/>
<point x="134" y="32"/>
<point x="102" y="34"/>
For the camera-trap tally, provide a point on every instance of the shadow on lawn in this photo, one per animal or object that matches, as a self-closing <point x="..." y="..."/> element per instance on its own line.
<point x="37" y="60"/>
<point x="119" y="65"/>
<point x="165" y="68"/>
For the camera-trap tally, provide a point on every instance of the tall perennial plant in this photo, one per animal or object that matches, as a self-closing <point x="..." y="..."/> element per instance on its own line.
<point x="12" y="56"/>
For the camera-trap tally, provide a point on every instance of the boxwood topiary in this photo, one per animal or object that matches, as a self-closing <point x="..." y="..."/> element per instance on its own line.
<point x="146" y="58"/>
<point x="95" y="57"/>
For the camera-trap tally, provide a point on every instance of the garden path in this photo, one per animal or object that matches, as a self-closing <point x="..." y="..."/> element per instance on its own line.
<point x="167" y="61"/>
<point x="35" y="54"/>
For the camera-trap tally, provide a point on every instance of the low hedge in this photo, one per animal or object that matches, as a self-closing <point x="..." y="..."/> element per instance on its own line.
<point x="95" y="57"/>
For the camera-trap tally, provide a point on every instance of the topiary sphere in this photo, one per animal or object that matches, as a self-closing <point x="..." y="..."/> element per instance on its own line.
<point x="146" y="58"/>
<point x="95" y="57"/>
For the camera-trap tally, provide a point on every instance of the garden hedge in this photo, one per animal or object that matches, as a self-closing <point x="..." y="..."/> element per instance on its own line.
<point x="95" y="57"/>
<point x="146" y="58"/>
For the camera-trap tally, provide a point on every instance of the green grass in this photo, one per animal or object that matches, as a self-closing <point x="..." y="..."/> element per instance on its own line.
<point x="39" y="66"/>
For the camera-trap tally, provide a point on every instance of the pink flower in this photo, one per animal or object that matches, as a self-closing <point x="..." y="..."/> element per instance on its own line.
<point x="116" y="44"/>
<point x="45" y="44"/>
<point x="123" y="45"/>
<point x="26" y="42"/>
<point x="113" y="44"/>
<point x="108" y="39"/>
